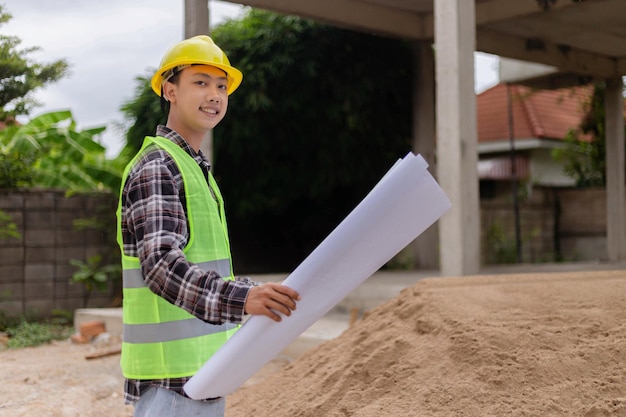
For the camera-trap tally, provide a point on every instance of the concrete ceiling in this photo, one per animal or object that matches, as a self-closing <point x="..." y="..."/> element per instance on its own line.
<point x="586" y="37"/>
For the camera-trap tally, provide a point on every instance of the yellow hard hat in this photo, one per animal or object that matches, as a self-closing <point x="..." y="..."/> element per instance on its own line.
<point x="197" y="50"/>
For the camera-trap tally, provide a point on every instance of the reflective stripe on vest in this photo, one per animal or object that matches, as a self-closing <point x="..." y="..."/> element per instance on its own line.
<point x="162" y="340"/>
<point x="133" y="278"/>
<point x="172" y="330"/>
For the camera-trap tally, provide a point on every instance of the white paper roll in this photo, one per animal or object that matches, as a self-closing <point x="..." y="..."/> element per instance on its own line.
<point x="404" y="203"/>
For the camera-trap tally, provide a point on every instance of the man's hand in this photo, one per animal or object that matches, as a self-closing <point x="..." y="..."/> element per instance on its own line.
<point x="271" y="298"/>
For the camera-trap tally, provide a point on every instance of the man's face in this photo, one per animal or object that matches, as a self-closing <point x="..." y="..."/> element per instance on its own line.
<point x="200" y="98"/>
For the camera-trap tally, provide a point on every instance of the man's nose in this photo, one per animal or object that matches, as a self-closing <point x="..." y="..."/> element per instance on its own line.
<point x="213" y="93"/>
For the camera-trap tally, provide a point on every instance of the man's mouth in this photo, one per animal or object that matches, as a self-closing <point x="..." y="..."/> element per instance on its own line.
<point x="209" y="110"/>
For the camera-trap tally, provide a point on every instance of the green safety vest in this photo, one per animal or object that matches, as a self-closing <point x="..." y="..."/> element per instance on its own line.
<point x="161" y="340"/>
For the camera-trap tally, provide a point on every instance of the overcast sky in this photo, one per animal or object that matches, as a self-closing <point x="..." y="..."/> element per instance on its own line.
<point x="108" y="44"/>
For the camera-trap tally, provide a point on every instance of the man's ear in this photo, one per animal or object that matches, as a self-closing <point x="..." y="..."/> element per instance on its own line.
<point x="169" y="91"/>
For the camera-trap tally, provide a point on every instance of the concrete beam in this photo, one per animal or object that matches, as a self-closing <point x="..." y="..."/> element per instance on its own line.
<point x="353" y="14"/>
<point x="390" y="21"/>
<point x="497" y="10"/>
<point x="361" y="15"/>
<point x="546" y="53"/>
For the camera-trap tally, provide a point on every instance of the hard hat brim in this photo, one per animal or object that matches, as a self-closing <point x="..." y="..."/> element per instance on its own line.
<point x="234" y="76"/>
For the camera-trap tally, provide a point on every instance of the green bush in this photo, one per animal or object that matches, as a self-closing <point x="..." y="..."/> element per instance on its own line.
<point x="94" y="276"/>
<point x="27" y="333"/>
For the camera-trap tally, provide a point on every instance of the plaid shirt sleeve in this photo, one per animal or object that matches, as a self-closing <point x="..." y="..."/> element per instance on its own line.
<point x="155" y="226"/>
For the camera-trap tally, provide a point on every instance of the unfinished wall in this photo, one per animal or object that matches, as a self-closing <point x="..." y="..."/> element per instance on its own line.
<point x="35" y="273"/>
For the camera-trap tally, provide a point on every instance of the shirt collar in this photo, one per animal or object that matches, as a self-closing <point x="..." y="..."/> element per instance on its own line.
<point x="172" y="135"/>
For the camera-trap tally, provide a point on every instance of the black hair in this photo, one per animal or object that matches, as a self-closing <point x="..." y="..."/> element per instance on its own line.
<point x="165" y="105"/>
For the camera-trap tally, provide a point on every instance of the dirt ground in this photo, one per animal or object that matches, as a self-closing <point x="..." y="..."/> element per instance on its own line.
<point x="548" y="344"/>
<point x="57" y="380"/>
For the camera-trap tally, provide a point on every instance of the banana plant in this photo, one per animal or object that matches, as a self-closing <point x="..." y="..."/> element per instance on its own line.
<point x="62" y="155"/>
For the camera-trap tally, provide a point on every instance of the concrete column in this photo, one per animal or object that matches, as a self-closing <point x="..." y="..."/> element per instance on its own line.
<point x="197" y="23"/>
<point x="615" y="178"/>
<point x="459" y="228"/>
<point x="426" y="246"/>
<point x="196" y="18"/>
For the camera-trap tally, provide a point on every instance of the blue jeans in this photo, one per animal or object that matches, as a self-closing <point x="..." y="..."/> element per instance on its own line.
<point x="160" y="402"/>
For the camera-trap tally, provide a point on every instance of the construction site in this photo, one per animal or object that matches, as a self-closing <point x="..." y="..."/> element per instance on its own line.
<point x="525" y="341"/>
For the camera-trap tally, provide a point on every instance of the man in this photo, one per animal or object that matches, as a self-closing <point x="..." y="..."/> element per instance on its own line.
<point x="181" y="299"/>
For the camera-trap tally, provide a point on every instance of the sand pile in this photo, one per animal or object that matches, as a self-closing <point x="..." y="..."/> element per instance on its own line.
<point x="521" y="345"/>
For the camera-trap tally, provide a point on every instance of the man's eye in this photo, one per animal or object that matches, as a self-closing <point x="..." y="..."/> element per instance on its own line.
<point x="200" y="83"/>
<point x="223" y="86"/>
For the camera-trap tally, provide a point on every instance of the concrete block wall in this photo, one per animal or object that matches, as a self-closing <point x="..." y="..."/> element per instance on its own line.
<point x="35" y="273"/>
<point x="35" y="270"/>
<point x="536" y="230"/>
<point x="582" y="224"/>
<point x="568" y="222"/>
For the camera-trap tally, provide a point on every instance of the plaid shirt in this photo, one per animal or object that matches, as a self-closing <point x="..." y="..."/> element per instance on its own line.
<point x="155" y="229"/>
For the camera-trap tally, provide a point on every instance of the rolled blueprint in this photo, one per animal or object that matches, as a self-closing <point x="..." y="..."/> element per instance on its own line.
<point x="404" y="203"/>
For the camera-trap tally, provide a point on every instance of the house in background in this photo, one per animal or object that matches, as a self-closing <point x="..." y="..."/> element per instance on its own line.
<point x="545" y="218"/>
<point x="522" y="124"/>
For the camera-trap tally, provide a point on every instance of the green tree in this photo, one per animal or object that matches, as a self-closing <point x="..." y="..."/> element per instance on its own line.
<point x="144" y="113"/>
<point x="322" y="113"/>
<point x="585" y="160"/>
<point x="21" y="76"/>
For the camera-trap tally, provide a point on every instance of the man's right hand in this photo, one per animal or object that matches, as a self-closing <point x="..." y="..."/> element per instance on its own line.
<point x="271" y="298"/>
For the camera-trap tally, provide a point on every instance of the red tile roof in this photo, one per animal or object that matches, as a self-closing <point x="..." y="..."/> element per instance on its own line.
<point x="543" y="114"/>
